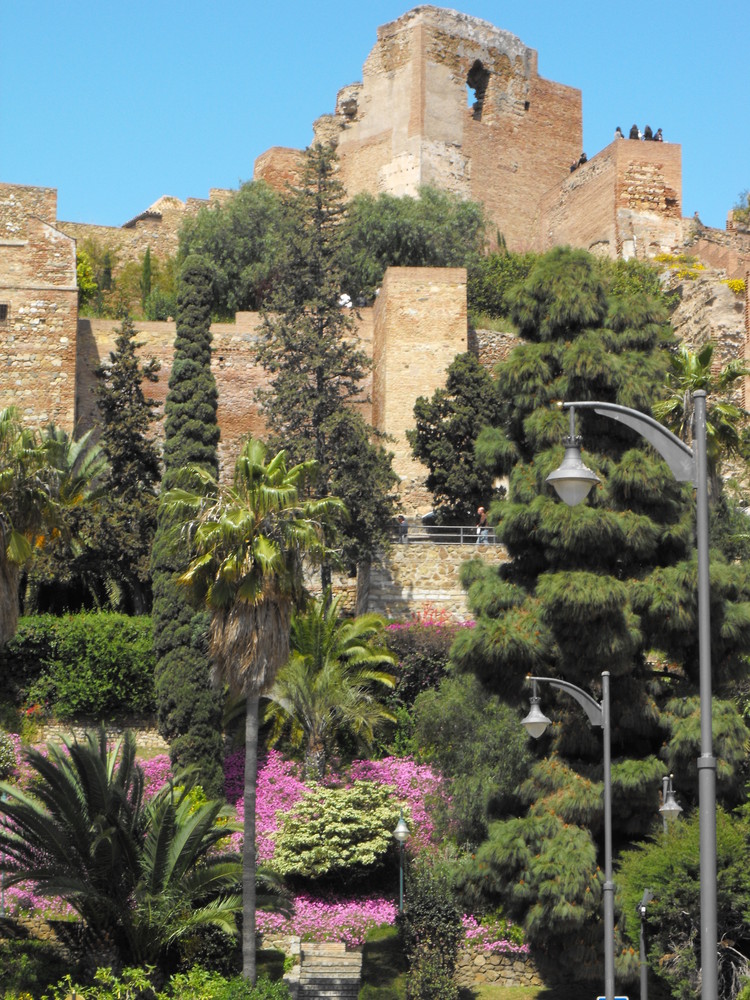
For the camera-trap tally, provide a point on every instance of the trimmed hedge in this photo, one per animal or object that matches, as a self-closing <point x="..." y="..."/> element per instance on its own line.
<point x="98" y="664"/>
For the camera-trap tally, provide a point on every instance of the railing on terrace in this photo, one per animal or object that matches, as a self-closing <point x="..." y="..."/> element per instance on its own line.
<point x="445" y="534"/>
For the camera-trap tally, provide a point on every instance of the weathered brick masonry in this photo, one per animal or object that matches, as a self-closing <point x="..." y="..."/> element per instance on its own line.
<point x="39" y="301"/>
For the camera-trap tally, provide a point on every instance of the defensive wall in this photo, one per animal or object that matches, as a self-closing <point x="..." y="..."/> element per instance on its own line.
<point x="624" y="202"/>
<point x="157" y="228"/>
<point x="413" y="332"/>
<point x="38" y="305"/>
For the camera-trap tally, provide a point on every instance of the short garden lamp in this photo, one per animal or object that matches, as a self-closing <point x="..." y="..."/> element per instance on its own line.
<point x="670" y="808"/>
<point x="401" y="834"/>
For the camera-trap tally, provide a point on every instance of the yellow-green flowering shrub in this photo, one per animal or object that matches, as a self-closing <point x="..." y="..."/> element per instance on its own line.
<point x="336" y="829"/>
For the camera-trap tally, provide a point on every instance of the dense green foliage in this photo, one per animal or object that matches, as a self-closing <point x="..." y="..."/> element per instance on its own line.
<point x="64" y="573"/>
<point x="330" y="690"/>
<point x="476" y="741"/>
<point x="127" y="511"/>
<point x="140" y="874"/>
<point x="437" y="229"/>
<point x="669" y="865"/>
<point x="725" y="419"/>
<point x="189" y="710"/>
<point x="599" y="586"/>
<point x="195" y="984"/>
<point x="431" y="933"/>
<point x="490" y="280"/>
<point x="98" y="664"/>
<point x="337" y="833"/>
<point x="422" y="650"/>
<point x="242" y="241"/>
<point x="446" y="429"/>
<point x="315" y="365"/>
<point x="28" y="509"/>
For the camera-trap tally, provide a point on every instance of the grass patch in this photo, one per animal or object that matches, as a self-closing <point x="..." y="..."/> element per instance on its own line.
<point x="383" y="966"/>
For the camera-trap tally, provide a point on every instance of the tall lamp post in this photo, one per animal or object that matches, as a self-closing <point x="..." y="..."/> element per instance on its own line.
<point x="401" y="834"/>
<point x="572" y="481"/>
<point x="536" y="723"/>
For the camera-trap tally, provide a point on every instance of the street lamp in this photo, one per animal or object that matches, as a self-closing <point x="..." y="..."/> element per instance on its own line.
<point x="598" y="715"/>
<point x="687" y="465"/>
<point x="641" y="910"/>
<point x="401" y="834"/>
<point x="670" y="808"/>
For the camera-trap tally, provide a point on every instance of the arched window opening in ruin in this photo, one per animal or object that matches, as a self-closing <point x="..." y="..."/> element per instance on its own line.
<point x="476" y="87"/>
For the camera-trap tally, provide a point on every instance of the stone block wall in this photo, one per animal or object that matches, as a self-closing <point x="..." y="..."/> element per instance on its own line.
<point x="413" y="333"/>
<point x="625" y="201"/>
<point x="158" y="228"/>
<point x="425" y="575"/>
<point x="478" y="968"/>
<point x="420" y="325"/>
<point x="39" y="300"/>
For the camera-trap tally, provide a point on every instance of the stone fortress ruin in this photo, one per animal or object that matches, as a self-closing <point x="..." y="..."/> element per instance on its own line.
<point x="408" y="123"/>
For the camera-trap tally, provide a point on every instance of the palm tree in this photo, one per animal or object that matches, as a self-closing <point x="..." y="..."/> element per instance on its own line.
<point x="248" y="541"/>
<point x="140" y="874"/>
<point x="724" y="419"/>
<point x="328" y="687"/>
<point x="26" y="504"/>
<point x="77" y="469"/>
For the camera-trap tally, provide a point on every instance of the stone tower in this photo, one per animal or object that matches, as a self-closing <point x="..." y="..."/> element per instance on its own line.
<point x="452" y="101"/>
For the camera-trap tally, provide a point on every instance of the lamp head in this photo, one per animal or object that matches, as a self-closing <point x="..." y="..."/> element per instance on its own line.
<point x="670" y="807"/>
<point x="572" y="480"/>
<point x="401" y="833"/>
<point x="536" y="721"/>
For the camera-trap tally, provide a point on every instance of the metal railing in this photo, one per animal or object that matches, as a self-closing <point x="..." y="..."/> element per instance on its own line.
<point x="445" y="534"/>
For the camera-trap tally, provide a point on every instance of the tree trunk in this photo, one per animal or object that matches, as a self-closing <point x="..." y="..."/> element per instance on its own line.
<point x="248" y="847"/>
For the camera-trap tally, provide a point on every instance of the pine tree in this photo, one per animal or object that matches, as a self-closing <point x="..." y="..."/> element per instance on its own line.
<point x="309" y="348"/>
<point x="447" y="427"/>
<point x="189" y="709"/>
<point x="607" y="585"/>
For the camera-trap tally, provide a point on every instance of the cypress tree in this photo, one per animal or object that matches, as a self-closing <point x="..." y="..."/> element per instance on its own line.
<point x="189" y="710"/>
<point x="609" y="585"/>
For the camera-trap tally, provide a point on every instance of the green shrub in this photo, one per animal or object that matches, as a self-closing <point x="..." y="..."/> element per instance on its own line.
<point x="28" y="966"/>
<point x="428" y="979"/>
<point x="196" y="984"/>
<point x="335" y="830"/>
<point x="431" y="931"/>
<point x="97" y="664"/>
<point x="8" y="759"/>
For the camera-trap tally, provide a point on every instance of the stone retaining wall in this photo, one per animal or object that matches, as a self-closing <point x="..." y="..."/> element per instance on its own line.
<point x="476" y="968"/>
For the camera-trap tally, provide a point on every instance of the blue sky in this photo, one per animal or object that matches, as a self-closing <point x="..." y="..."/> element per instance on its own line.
<point x="117" y="103"/>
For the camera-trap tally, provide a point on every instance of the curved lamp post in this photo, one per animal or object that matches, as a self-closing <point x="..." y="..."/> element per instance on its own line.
<point x="598" y="714"/>
<point x="572" y="481"/>
<point x="401" y="834"/>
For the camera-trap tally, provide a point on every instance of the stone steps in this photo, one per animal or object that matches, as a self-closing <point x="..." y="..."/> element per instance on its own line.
<point x="327" y="969"/>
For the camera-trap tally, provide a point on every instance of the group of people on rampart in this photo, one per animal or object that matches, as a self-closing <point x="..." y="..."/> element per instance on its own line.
<point x="635" y="133"/>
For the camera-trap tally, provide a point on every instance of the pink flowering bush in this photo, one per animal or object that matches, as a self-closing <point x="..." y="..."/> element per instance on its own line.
<point x="156" y="773"/>
<point x="500" y="939"/>
<point x="330" y="919"/>
<point x="413" y="784"/>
